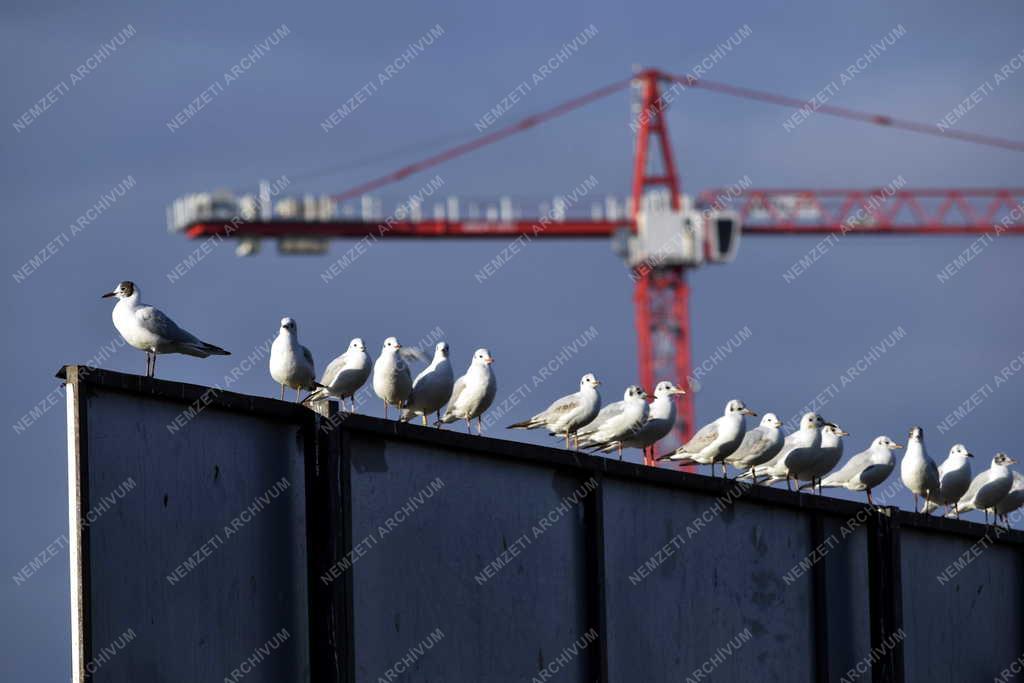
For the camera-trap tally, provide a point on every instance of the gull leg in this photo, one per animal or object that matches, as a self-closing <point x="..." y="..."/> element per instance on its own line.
<point x="152" y="373"/>
<point x="424" y="416"/>
<point x="870" y="502"/>
<point x="956" y="510"/>
<point x="282" y="392"/>
<point x="725" y="470"/>
<point x="788" y="486"/>
<point x="567" y="441"/>
<point x="479" y="426"/>
<point x="469" y="425"/>
<point x="438" y="418"/>
<point x="620" y="450"/>
<point x="296" y="394"/>
<point x="385" y="410"/>
<point x="915" y="502"/>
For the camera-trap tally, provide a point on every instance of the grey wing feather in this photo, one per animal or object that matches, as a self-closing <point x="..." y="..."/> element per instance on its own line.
<point x="975" y="486"/>
<point x="307" y="354"/>
<point x="755" y="442"/>
<point x="410" y="353"/>
<point x="154" y="320"/>
<point x="460" y="384"/>
<point x="605" y="414"/>
<point x="701" y="440"/>
<point x="333" y="369"/>
<point x="564" y="405"/>
<point x="853" y="467"/>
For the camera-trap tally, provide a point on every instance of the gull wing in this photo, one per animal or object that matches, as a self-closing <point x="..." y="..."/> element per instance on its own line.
<point x="701" y="440"/>
<point x="155" y="321"/>
<point x="607" y="413"/>
<point x="333" y="369"/>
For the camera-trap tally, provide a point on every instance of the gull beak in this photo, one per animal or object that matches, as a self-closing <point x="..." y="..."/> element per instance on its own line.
<point x="397" y="345"/>
<point x="970" y="455"/>
<point x="108" y="295"/>
<point x="895" y="446"/>
<point x="1012" y="462"/>
<point x="748" y="411"/>
<point x="597" y="382"/>
<point x="678" y="391"/>
<point x="490" y="359"/>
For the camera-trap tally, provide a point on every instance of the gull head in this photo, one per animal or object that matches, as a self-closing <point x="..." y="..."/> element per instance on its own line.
<point x="834" y="429"/>
<point x="1003" y="459"/>
<point x="391" y="344"/>
<point x="483" y="357"/>
<point x="288" y="325"/>
<point x="738" y="406"/>
<point x="811" y="421"/>
<point x="589" y="380"/>
<point x="633" y="392"/>
<point x="819" y="421"/>
<point x="916" y="434"/>
<point x="885" y="442"/>
<point x="960" y="450"/>
<point x="771" y="420"/>
<point x="124" y="290"/>
<point x="357" y="345"/>
<point x="667" y="389"/>
<point x="441" y="350"/>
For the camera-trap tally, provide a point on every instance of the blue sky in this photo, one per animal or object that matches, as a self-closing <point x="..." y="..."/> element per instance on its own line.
<point x="806" y="333"/>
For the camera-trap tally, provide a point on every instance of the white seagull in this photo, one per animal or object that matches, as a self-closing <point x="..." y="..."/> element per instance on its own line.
<point x="569" y="413"/>
<point x="867" y="469"/>
<point x="954" y="479"/>
<point x="715" y="440"/>
<point x="759" y="445"/>
<point x="291" y="363"/>
<point x="616" y="422"/>
<point x="919" y="472"/>
<point x="808" y="437"/>
<point x="149" y="329"/>
<point x="432" y="387"/>
<point x="830" y="452"/>
<point x="661" y="418"/>
<point x="1013" y="500"/>
<point x="990" y="487"/>
<point x="392" y="381"/>
<point x="473" y="392"/>
<point x="344" y="375"/>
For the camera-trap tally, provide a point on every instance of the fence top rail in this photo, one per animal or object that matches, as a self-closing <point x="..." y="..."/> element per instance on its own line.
<point x="556" y="458"/>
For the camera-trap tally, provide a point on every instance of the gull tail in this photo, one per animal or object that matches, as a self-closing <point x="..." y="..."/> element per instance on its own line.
<point x="525" y="424"/>
<point x="214" y="350"/>
<point x="318" y="392"/>
<point x="683" y="460"/>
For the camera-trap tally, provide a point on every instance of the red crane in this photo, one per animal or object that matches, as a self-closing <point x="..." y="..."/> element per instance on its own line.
<point x="661" y="293"/>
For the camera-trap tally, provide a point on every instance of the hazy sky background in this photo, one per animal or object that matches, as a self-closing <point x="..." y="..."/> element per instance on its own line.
<point x="266" y="123"/>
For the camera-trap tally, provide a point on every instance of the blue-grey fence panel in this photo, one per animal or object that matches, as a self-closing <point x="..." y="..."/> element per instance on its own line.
<point x="845" y="559"/>
<point x="491" y="563"/>
<point x="204" y="559"/>
<point x="963" y="602"/>
<point x="718" y="602"/>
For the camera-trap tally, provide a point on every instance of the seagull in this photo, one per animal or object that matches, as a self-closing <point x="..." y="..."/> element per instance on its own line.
<point x="918" y="471"/>
<point x="867" y="469"/>
<point x="830" y="452"/>
<point x="759" y="445"/>
<point x="344" y="375"/>
<point x="391" y="379"/>
<point x="149" y="329"/>
<point x="617" y="421"/>
<point x="808" y="436"/>
<point x="569" y="413"/>
<point x="990" y="487"/>
<point x="431" y="388"/>
<point x="473" y="393"/>
<point x="1013" y="500"/>
<point x="715" y="440"/>
<point x="661" y="418"/>
<point x="291" y="363"/>
<point x="954" y="479"/>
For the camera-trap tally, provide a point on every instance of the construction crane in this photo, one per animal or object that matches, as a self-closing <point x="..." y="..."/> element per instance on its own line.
<point x="661" y="233"/>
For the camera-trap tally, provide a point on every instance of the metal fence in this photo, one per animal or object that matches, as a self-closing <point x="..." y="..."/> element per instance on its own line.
<point x="266" y="542"/>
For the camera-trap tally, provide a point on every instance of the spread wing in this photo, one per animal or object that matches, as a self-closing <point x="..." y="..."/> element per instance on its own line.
<point x="701" y="440"/>
<point x="155" y="321"/>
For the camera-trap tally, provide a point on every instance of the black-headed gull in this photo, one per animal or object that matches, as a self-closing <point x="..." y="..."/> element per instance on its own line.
<point x="990" y="487"/>
<point x="148" y="329"/>
<point x="759" y="445"/>
<point x="954" y="479"/>
<point x="715" y="440"/>
<point x="1013" y="500"/>
<point x="291" y="363"/>
<point x="566" y="415"/>
<point x="616" y="422"/>
<point x="344" y="375"/>
<point x="661" y="418"/>
<point x="392" y="381"/>
<point x="473" y="392"/>
<point x="867" y="469"/>
<point x="431" y="388"/>
<point x="918" y="471"/>
<point x="806" y="437"/>
<point x="830" y="452"/>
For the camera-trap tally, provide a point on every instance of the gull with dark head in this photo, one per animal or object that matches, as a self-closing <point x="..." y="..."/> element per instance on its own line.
<point x="806" y="438"/>
<point x="661" y="418"/>
<point x="148" y="329"/>
<point x="566" y="415"/>
<point x="1013" y="500"/>
<point x="759" y="445"/>
<point x="291" y="363"/>
<point x="830" y="452"/>
<point x="715" y="440"/>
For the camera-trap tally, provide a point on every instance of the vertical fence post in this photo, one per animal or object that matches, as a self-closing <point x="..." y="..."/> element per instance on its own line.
<point x="820" y="592"/>
<point x="596" y="609"/>
<point x="886" y="596"/>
